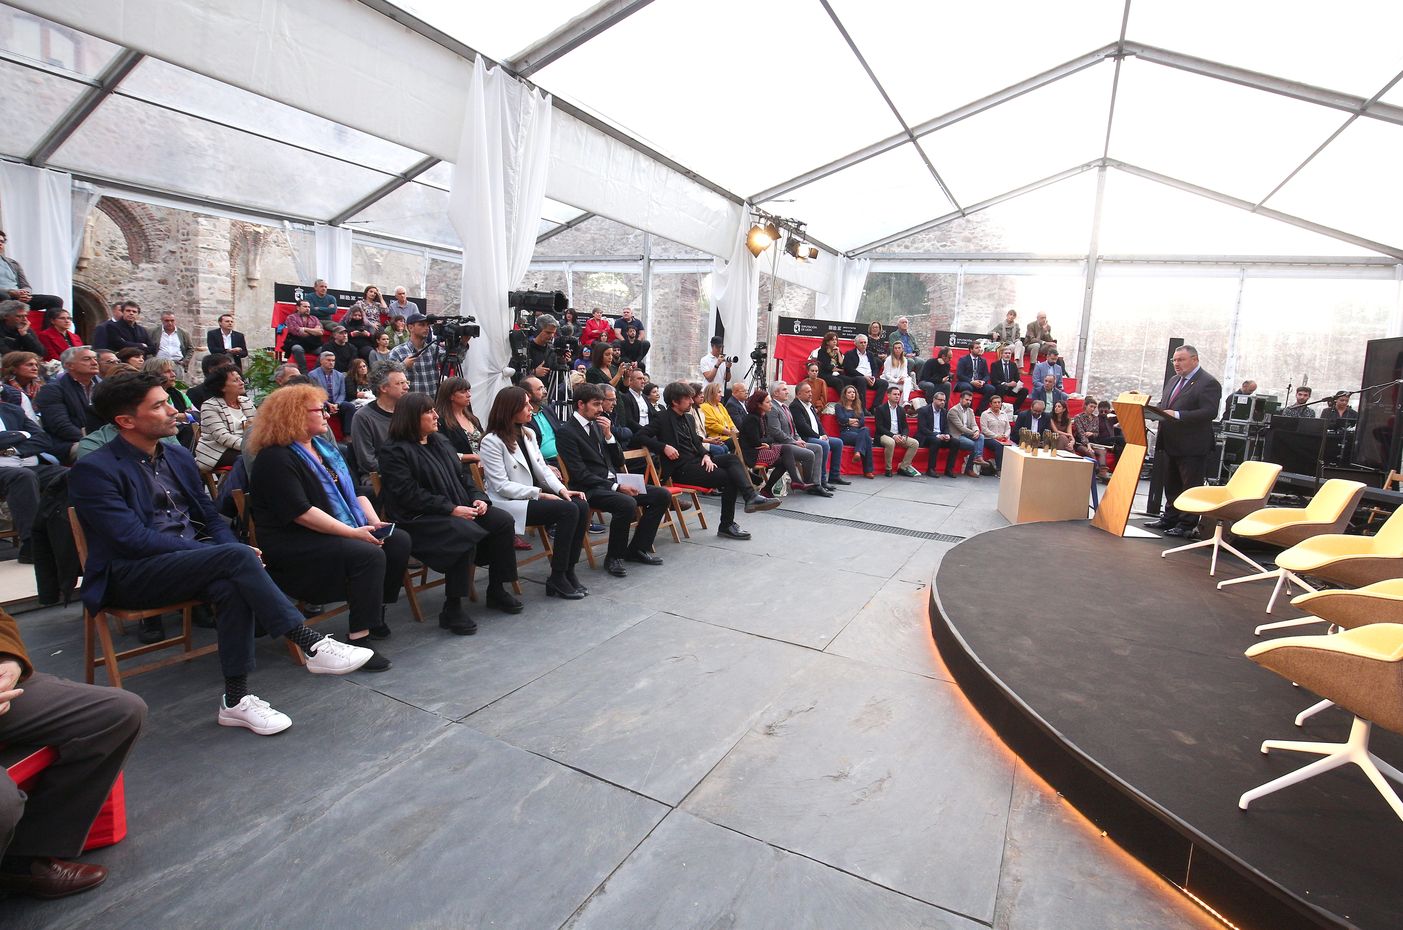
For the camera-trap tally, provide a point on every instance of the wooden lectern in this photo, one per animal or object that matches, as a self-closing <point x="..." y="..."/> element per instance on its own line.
<point x="1114" y="511"/>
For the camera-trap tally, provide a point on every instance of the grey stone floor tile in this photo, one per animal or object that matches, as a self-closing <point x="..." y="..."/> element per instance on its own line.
<point x="1059" y="872"/>
<point x="652" y="709"/>
<point x="921" y="567"/>
<point x="456" y="675"/>
<point x="950" y="493"/>
<point x="909" y="514"/>
<point x="893" y="631"/>
<point x="694" y="874"/>
<point x="841" y="548"/>
<point x="884" y="774"/>
<point x="971" y="519"/>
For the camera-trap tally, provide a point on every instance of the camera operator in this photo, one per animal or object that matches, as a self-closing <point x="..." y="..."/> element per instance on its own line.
<point x="419" y="356"/>
<point x="715" y="366"/>
<point x="541" y="356"/>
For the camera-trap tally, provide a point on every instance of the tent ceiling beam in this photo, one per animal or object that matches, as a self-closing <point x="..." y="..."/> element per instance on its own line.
<point x="568" y="224"/>
<point x="385" y="190"/>
<point x="1077" y="258"/>
<point x="982" y="205"/>
<point x="116" y="71"/>
<point x="905" y="127"/>
<point x="573" y="34"/>
<point x="1115" y="79"/>
<point x="1255" y="79"/>
<point x="1250" y="207"/>
<point x="1065" y="69"/>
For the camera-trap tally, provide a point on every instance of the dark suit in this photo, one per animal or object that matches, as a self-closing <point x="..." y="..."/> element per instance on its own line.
<point x="811" y="431"/>
<point x="67" y="412"/>
<point x="736" y="409"/>
<point x="850" y="360"/>
<point x="20" y="485"/>
<point x="969" y="369"/>
<point x="119" y="334"/>
<point x="132" y="564"/>
<point x="1025" y="421"/>
<point x="1009" y="371"/>
<point x="591" y="462"/>
<point x="214" y="341"/>
<point x="1187" y="440"/>
<point x="673" y="429"/>
<point x="930" y="426"/>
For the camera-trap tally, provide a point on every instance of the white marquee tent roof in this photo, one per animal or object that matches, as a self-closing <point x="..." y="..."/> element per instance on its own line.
<point x="869" y="119"/>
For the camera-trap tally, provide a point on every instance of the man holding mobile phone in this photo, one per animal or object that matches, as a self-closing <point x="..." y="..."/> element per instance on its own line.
<point x="419" y="356"/>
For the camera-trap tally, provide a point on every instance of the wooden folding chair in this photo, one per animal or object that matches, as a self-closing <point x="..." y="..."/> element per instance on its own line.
<point x="95" y="627"/>
<point x="545" y="552"/>
<point x="590" y="543"/>
<point x="636" y="455"/>
<point x="678" y="491"/>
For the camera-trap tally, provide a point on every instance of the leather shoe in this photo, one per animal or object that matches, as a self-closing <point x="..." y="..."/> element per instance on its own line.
<point x="575" y="582"/>
<point x="838" y="479"/>
<point x="733" y="531"/>
<point x="819" y="491"/>
<point x="53" y="878"/>
<point x="643" y="558"/>
<point x="1158" y="525"/>
<point x="563" y="589"/>
<point x="1177" y="531"/>
<point x="760" y="502"/>
<point x="152" y="631"/>
<point x="501" y="600"/>
<point x="616" y="568"/>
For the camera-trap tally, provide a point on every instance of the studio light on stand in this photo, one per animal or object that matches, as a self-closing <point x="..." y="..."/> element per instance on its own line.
<point x="765" y="232"/>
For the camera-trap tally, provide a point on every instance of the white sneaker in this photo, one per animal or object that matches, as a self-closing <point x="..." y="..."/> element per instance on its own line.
<point x="254" y="714"/>
<point x="334" y="657"/>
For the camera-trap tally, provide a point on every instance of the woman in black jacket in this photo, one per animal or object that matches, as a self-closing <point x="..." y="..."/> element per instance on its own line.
<point x="754" y="449"/>
<point x="424" y="488"/>
<point x="318" y="536"/>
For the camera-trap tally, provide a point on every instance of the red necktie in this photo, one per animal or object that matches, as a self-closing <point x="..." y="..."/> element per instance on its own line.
<point x="1177" y="388"/>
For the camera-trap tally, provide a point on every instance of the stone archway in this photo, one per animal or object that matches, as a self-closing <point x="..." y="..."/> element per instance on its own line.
<point x="140" y="227"/>
<point x="89" y="309"/>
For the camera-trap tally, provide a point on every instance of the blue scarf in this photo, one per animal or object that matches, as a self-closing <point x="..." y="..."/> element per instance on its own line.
<point x="335" y="481"/>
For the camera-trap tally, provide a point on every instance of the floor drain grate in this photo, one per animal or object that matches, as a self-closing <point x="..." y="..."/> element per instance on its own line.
<point x="856" y="524"/>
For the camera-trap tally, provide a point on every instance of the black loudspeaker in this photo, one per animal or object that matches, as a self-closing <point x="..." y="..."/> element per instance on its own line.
<point x="1376" y="441"/>
<point x="1174" y="345"/>
<point x="1296" y="444"/>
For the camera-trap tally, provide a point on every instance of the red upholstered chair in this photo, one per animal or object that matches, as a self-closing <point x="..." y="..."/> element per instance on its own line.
<point x="111" y="824"/>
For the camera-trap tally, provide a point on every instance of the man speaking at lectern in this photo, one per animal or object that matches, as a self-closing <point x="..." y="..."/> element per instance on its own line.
<point x="1190" y="401"/>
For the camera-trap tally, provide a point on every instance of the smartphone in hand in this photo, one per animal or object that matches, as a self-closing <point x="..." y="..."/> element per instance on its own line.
<point x="383" y="532"/>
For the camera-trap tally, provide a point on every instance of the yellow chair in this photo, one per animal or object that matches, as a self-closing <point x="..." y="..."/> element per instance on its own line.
<point x="1329" y="512"/>
<point x="1247" y="490"/>
<point x="1361" y="670"/>
<point x="1380" y="602"/>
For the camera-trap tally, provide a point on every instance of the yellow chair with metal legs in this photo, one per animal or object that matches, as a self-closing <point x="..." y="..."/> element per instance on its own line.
<point x="1246" y="491"/>
<point x="1329" y="512"/>
<point x="1361" y="670"/>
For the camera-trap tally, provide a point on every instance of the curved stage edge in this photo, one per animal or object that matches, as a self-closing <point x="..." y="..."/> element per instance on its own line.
<point x="1118" y="676"/>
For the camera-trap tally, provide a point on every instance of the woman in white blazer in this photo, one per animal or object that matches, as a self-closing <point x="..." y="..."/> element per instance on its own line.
<point x="519" y="481"/>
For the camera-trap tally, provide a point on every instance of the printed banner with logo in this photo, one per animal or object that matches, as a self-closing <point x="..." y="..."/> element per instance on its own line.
<point x="796" y="339"/>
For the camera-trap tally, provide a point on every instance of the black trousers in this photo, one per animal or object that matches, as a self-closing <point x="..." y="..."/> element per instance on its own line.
<point x="729" y="478"/>
<point x="450" y="544"/>
<point x="1181" y="472"/>
<point x="43" y="302"/>
<point x="571" y="521"/>
<point x="93" y="729"/>
<point x="840" y="381"/>
<point x="623" y="509"/>
<point x="229" y="575"/>
<point x="1015" y="396"/>
<point x="933" y="447"/>
<point x="19" y="487"/>
<point x="319" y="568"/>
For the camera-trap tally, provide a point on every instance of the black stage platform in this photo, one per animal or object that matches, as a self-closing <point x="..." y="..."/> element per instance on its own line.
<point x="1119" y="676"/>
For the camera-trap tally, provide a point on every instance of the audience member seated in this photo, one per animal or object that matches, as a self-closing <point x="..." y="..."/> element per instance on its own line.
<point x="633" y="410"/>
<point x="654" y="395"/>
<point x="830" y="368"/>
<point x="524" y="486"/>
<point x="20" y="370"/>
<point x="155" y="538"/>
<point x="933" y="433"/>
<point x="400" y="306"/>
<point x="1038" y="333"/>
<point x="736" y="400"/>
<point x="333" y="382"/>
<point x="781" y="433"/>
<point x="1061" y="422"/>
<point x="964" y="428"/>
<point x="224" y="418"/>
<point x="593" y="459"/>
<point x="597" y="328"/>
<point x="1005" y="335"/>
<point x="456" y="420"/>
<point x="398" y="329"/>
<point x="632" y="346"/>
<point x="1107" y="432"/>
<point x="380" y="351"/>
<point x="14" y="329"/>
<point x="1034" y="419"/>
<point x="341" y="348"/>
<point x="93" y="729"/>
<point x="164" y="369"/>
<point x="371" y="426"/>
<point x="1047" y="391"/>
<point x="318" y="536"/>
<point x="172" y="342"/>
<point x="1050" y="365"/>
<point x="1085" y="430"/>
<point x="304" y="333"/>
<point x="357" y="388"/>
<point x="321" y="304"/>
<point x="227" y="341"/>
<point x="994" y="425"/>
<point x="15" y="286"/>
<point x="452" y="522"/>
<point x="893" y="432"/>
<point x="757" y="453"/>
<point x="132" y="358"/>
<point x="124" y="332"/>
<point x="902" y="334"/>
<point x="107" y="363"/>
<point x="808" y="424"/>
<point x="601" y="365"/>
<point x="896" y="372"/>
<point x="288" y="374"/>
<point x="818" y="388"/>
<point x="544" y="423"/>
<point x="862" y="366"/>
<point x="1007" y="379"/>
<point x="718" y="425"/>
<point x="29" y="460"/>
<point x="57" y="335"/>
<point x="936" y="377"/>
<point x="972" y="374"/>
<point x="852" y="428"/>
<point x="65" y="403"/>
<point x="371" y="308"/>
<point x="877" y="344"/>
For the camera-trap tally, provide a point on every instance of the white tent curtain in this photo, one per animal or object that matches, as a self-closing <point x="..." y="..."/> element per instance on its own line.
<point x="735" y="290"/>
<point x="499" y="187"/>
<point x="847" y="277"/>
<point x="38" y="213"/>
<point x="333" y="254"/>
<point x="84" y="197"/>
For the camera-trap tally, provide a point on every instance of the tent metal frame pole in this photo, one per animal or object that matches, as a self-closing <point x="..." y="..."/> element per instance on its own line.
<point x="116" y="71"/>
<point x="385" y="190"/>
<point x="1089" y="287"/>
<point x="576" y="32"/>
<point x="568" y="224"/>
<point x="1230" y="375"/>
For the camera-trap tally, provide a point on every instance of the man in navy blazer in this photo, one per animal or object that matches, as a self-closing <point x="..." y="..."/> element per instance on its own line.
<point x="28" y="462"/>
<point x="1192" y="399"/>
<point x="154" y="537"/>
<point x="972" y="374"/>
<point x="65" y="404"/>
<point x="933" y="432"/>
<point x="225" y="340"/>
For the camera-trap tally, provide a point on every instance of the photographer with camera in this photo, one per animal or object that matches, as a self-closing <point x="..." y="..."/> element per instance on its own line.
<point x="419" y="355"/>
<point x="715" y="366"/>
<point x="541" y="356"/>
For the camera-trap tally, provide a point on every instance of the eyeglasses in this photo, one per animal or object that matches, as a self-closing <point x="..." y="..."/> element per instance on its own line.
<point x="324" y="410"/>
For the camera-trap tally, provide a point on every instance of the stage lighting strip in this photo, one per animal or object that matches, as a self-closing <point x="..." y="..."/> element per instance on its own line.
<point x="855" y="524"/>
